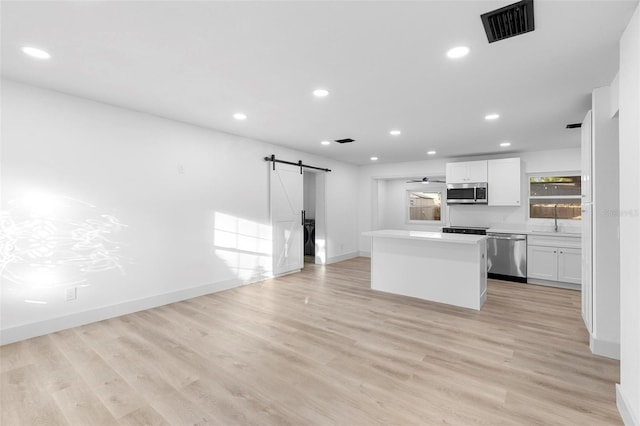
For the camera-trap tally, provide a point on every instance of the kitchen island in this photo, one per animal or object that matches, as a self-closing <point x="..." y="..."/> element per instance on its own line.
<point x="444" y="268"/>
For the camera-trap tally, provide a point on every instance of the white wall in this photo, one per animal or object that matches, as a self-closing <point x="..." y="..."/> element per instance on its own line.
<point x="605" y="337"/>
<point x="628" y="397"/>
<point x="134" y="210"/>
<point x="390" y="179"/>
<point x="342" y="206"/>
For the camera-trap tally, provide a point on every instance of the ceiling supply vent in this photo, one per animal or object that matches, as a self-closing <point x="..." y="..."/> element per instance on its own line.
<point x="347" y="140"/>
<point x="509" y="21"/>
<point x="574" y="125"/>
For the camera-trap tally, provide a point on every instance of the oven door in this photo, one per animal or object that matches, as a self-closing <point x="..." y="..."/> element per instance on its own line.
<point x="459" y="195"/>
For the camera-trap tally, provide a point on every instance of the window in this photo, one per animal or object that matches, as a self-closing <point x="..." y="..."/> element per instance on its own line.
<point x="424" y="206"/>
<point x="554" y="197"/>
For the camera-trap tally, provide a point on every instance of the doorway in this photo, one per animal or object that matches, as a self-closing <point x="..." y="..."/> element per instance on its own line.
<point x="314" y="226"/>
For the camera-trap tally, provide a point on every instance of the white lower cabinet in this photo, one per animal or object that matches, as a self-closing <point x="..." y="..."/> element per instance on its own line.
<point x="552" y="259"/>
<point x="570" y="265"/>
<point x="542" y="263"/>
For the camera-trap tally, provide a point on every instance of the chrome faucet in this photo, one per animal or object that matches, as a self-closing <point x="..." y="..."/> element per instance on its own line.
<point x="555" y="218"/>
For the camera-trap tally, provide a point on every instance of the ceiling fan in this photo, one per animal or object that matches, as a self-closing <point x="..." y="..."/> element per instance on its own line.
<point x="426" y="180"/>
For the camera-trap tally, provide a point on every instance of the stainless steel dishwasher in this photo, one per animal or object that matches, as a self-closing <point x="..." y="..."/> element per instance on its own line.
<point x="507" y="256"/>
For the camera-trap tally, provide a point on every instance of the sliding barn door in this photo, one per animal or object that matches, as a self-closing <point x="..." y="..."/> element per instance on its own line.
<point x="286" y="218"/>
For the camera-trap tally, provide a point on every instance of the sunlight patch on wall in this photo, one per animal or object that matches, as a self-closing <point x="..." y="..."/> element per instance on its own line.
<point x="49" y="241"/>
<point x="244" y="246"/>
<point x="320" y="251"/>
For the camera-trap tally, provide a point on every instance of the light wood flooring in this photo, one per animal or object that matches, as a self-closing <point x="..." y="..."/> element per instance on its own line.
<point x="319" y="348"/>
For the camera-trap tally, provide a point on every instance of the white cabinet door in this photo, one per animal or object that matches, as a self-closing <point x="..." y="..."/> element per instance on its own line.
<point x="467" y="172"/>
<point x="586" y="156"/>
<point x="477" y="171"/>
<point x="286" y="195"/>
<point x="456" y="173"/>
<point x="504" y="182"/>
<point x="542" y="263"/>
<point x="587" y="265"/>
<point x="570" y="265"/>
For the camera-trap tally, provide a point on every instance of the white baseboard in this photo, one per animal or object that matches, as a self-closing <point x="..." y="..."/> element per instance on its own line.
<point x="557" y="284"/>
<point x="40" y="328"/>
<point x="342" y="257"/>
<point x="604" y="348"/>
<point x="625" y="409"/>
<point x="483" y="298"/>
<point x="364" y="253"/>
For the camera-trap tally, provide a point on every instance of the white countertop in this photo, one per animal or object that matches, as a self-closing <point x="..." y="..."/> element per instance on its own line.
<point x="542" y="233"/>
<point x="426" y="236"/>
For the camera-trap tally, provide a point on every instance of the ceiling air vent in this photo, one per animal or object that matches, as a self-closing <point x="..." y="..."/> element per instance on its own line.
<point x="347" y="140"/>
<point x="509" y="21"/>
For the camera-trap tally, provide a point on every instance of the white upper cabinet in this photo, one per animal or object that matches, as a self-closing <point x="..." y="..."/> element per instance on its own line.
<point x="504" y="182"/>
<point x="456" y="172"/>
<point x="467" y="172"/>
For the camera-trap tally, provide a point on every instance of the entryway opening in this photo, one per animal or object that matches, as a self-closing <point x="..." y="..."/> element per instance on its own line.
<point x="314" y="223"/>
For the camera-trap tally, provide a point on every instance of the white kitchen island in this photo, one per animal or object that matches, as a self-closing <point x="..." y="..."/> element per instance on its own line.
<point x="445" y="268"/>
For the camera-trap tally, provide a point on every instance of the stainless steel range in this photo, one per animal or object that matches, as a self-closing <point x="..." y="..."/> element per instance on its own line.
<point x="474" y="230"/>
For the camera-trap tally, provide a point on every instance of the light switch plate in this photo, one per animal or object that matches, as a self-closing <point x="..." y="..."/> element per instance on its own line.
<point x="72" y="294"/>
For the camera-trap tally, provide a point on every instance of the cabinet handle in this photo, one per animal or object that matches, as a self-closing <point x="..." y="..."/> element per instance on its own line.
<point x="554" y="251"/>
<point x="561" y="252"/>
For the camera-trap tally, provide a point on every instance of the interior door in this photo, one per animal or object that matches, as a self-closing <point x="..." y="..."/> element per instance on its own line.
<point x="286" y="190"/>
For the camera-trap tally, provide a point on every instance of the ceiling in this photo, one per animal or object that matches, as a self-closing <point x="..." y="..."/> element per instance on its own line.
<point x="383" y="62"/>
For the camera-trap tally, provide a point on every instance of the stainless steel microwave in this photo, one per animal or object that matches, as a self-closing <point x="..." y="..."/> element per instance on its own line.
<point x="467" y="193"/>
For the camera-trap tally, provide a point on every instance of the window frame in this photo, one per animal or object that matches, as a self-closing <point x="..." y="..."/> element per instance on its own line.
<point x="434" y="187"/>
<point x="570" y="173"/>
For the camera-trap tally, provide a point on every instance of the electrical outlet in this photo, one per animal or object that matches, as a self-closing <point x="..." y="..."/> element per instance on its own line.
<point x="72" y="294"/>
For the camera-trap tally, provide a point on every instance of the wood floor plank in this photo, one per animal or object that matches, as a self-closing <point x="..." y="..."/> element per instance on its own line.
<point x="145" y="416"/>
<point x="22" y="401"/>
<point x="15" y="356"/>
<point x="319" y="347"/>
<point x="80" y="406"/>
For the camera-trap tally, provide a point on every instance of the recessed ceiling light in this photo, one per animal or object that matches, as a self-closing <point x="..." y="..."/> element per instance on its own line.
<point x="374" y="158"/>
<point x="325" y="143"/>
<point x="505" y="144"/>
<point x="492" y="116"/>
<point x="34" y="52"/>
<point x="395" y="132"/>
<point x="458" y="52"/>
<point x="431" y="153"/>
<point x="320" y="93"/>
<point x="240" y="116"/>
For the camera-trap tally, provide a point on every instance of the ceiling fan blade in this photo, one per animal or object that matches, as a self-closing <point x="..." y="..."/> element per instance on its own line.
<point x="425" y="180"/>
